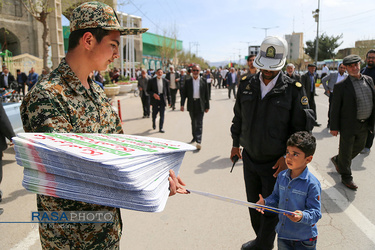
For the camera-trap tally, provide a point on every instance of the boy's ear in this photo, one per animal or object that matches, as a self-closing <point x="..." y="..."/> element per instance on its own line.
<point x="88" y="40"/>
<point x="309" y="159"/>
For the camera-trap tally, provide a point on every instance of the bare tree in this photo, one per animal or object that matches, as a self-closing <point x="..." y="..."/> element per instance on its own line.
<point x="40" y="10"/>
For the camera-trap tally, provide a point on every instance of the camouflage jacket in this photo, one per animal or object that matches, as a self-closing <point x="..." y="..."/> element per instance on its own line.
<point x="60" y="103"/>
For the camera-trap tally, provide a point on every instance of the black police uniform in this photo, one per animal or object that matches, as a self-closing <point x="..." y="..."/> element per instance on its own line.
<point x="262" y="127"/>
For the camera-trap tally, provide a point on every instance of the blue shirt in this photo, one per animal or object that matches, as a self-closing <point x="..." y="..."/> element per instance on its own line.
<point x="301" y="193"/>
<point x="312" y="81"/>
<point x="33" y="78"/>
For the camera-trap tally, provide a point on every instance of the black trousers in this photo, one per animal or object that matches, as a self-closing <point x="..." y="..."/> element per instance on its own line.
<point x="209" y="90"/>
<point x="330" y="98"/>
<point x="196" y="116"/>
<point x="369" y="140"/>
<point x="173" y="97"/>
<point x="145" y="104"/>
<point x="312" y="103"/>
<point x="350" y="146"/>
<point x="259" y="180"/>
<point x="230" y="88"/>
<point x="219" y="82"/>
<point x="158" y="107"/>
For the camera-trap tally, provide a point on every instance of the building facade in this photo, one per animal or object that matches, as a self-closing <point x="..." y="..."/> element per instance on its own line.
<point x="295" y="46"/>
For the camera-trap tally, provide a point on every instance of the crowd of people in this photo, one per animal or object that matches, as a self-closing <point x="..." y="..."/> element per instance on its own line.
<point x="274" y="115"/>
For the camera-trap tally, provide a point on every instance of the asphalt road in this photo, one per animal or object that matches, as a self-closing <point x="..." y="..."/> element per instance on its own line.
<point x="195" y="222"/>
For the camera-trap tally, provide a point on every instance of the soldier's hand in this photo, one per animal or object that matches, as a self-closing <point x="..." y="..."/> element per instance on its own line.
<point x="279" y="166"/>
<point x="175" y="184"/>
<point x="235" y="151"/>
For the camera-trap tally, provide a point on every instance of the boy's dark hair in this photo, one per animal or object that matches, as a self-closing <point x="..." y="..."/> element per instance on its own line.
<point x="74" y="37"/>
<point x="303" y="140"/>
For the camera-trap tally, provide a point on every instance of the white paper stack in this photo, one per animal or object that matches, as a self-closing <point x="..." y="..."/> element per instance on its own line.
<point x="115" y="170"/>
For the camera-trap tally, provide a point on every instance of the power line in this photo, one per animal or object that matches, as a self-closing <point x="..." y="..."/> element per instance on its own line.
<point x="340" y="18"/>
<point x="144" y="14"/>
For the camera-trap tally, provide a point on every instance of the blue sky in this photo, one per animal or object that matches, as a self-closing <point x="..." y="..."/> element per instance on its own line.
<point x="223" y="29"/>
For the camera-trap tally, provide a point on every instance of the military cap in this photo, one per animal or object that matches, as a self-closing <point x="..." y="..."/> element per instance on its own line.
<point x="311" y="65"/>
<point x="99" y="15"/>
<point x="351" y="59"/>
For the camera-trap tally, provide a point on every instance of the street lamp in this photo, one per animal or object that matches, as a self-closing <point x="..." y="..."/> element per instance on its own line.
<point x="316" y="16"/>
<point x="265" y="29"/>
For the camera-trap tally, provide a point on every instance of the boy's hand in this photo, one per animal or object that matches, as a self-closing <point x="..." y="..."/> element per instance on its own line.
<point x="260" y="202"/>
<point x="296" y="217"/>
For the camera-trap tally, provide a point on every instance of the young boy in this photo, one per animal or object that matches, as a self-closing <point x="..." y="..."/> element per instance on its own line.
<point x="297" y="190"/>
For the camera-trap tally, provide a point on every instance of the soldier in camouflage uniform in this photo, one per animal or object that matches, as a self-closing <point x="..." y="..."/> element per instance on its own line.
<point x="68" y="101"/>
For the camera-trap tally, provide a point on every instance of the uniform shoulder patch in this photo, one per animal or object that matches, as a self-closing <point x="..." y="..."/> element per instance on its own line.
<point x="304" y="100"/>
<point x="298" y="84"/>
<point x="247" y="87"/>
<point x="244" y="78"/>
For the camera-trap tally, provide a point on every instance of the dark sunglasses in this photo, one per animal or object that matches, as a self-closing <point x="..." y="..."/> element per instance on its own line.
<point x="195" y="70"/>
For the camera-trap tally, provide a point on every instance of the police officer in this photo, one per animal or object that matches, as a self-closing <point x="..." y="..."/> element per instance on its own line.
<point x="251" y="70"/>
<point x="269" y="108"/>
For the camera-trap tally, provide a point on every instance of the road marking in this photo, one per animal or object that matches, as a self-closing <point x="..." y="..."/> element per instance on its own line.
<point x="347" y="207"/>
<point x="30" y="240"/>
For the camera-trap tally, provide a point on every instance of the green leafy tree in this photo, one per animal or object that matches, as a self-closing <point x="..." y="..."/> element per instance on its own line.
<point x="327" y="46"/>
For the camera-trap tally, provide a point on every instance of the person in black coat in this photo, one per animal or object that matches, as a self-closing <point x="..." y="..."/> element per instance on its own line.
<point x="158" y="90"/>
<point x="353" y="116"/>
<point x="173" y="79"/>
<point x="198" y="103"/>
<point x="6" y="79"/>
<point x="308" y="80"/>
<point x="6" y="131"/>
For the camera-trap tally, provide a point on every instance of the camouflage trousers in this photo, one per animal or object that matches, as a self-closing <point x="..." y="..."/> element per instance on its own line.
<point x="78" y="235"/>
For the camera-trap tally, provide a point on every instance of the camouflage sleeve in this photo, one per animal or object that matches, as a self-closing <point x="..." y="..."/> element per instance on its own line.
<point x="43" y="112"/>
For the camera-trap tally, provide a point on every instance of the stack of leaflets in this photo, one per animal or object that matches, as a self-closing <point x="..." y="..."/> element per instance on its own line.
<point x="114" y="170"/>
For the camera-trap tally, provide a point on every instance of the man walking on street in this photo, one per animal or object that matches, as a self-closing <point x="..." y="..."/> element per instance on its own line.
<point x="269" y="108"/>
<point x="209" y="79"/>
<point x="369" y="70"/>
<point x="198" y="103"/>
<point x="158" y="90"/>
<point x="173" y="79"/>
<point x="31" y="79"/>
<point x="332" y="79"/>
<point x="21" y="80"/>
<point x="145" y="98"/>
<point x="352" y="114"/>
<point x="308" y="80"/>
<point x="232" y="82"/>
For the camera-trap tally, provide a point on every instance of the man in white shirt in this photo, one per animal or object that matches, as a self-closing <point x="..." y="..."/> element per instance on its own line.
<point x="174" y="84"/>
<point x="332" y="79"/>
<point x="325" y="70"/>
<point x="198" y="103"/>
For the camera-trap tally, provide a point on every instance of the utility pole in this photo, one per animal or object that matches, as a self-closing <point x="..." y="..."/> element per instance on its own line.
<point x="316" y="16"/>
<point x="265" y="29"/>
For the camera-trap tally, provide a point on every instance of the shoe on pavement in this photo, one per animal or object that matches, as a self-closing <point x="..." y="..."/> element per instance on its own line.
<point x="1" y="211"/>
<point x="365" y="151"/>
<point x="334" y="161"/>
<point x="192" y="141"/>
<point x="162" y="130"/>
<point x="198" y="146"/>
<point x="249" y="245"/>
<point x="350" y="184"/>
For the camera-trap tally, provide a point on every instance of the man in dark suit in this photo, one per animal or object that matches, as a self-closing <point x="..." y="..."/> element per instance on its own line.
<point x="308" y="80"/>
<point x="232" y="82"/>
<point x="22" y="81"/>
<point x="173" y="79"/>
<point x="145" y="98"/>
<point x="198" y="103"/>
<point x="352" y="114"/>
<point x="291" y="73"/>
<point x="332" y="79"/>
<point x="6" y="131"/>
<point x="6" y="79"/>
<point x="158" y="90"/>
